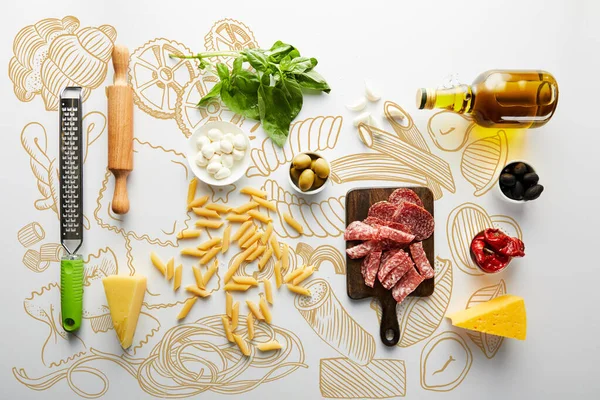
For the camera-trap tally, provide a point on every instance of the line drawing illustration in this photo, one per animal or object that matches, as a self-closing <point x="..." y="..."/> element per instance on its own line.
<point x="445" y="362"/>
<point x="229" y="34"/>
<point x="32" y="259"/>
<point x="31" y="234"/>
<point x="450" y="131"/>
<point x="482" y="162"/>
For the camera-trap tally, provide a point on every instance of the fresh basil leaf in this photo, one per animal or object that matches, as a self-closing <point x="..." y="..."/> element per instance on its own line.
<point x="275" y="113"/>
<point x="237" y="64"/>
<point x="297" y="65"/>
<point x="312" y="80"/>
<point x="294" y="53"/>
<point x="293" y="93"/>
<point x="246" y="81"/>
<point x="257" y="59"/>
<point x="222" y="71"/>
<point x="213" y="93"/>
<point x="313" y="62"/>
<point x="240" y="102"/>
<point x="278" y="51"/>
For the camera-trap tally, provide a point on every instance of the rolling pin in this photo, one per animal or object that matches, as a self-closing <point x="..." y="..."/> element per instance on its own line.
<point x="120" y="128"/>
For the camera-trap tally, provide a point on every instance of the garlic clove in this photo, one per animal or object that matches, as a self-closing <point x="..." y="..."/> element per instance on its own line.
<point x="239" y="142"/>
<point x="362" y="118"/>
<point x="215" y="134"/>
<point x="396" y="114"/>
<point x="201" y="161"/>
<point x="214" y="167"/>
<point x="227" y="160"/>
<point x="238" y="154"/>
<point x="201" y="142"/>
<point x="374" y="122"/>
<point x="358" y="105"/>
<point x="372" y="95"/>
<point x="223" y="173"/>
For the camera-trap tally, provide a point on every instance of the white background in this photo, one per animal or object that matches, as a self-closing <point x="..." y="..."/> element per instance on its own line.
<point x="399" y="46"/>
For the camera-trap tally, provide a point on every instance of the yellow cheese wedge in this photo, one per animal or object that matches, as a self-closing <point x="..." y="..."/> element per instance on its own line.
<point x="125" y="295"/>
<point x="503" y="316"/>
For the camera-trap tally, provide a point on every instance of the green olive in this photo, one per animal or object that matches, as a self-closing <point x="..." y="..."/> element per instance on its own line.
<point x="295" y="174"/>
<point x="321" y="168"/>
<point x="318" y="182"/>
<point x="305" y="182"/>
<point x="301" y="161"/>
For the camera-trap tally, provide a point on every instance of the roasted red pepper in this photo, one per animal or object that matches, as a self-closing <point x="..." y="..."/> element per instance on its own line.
<point x="492" y="250"/>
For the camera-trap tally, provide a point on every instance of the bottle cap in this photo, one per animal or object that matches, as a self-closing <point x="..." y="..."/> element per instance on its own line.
<point x="426" y="98"/>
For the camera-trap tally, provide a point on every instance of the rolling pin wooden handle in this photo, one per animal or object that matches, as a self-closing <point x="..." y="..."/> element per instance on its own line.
<point x="120" y="203"/>
<point x="120" y="60"/>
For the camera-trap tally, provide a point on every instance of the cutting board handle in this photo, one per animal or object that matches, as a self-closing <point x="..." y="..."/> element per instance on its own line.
<point x="389" y="329"/>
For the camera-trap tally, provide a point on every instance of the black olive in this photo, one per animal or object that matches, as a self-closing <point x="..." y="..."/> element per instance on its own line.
<point x="520" y="168"/>
<point x="517" y="191"/>
<point x="530" y="178"/>
<point x="508" y="180"/>
<point x="506" y="170"/>
<point x="533" y="192"/>
<point x="507" y="192"/>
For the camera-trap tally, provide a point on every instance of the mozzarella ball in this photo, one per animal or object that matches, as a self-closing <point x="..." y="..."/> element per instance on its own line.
<point x="208" y="151"/>
<point x="226" y="146"/>
<point x="215" y="134"/>
<point x="239" y="142"/>
<point x="202" y="141"/>
<point x="216" y="158"/>
<point x="214" y="167"/>
<point x="223" y="173"/>
<point x="229" y="136"/>
<point x="227" y="160"/>
<point x="238" y="154"/>
<point x="201" y="161"/>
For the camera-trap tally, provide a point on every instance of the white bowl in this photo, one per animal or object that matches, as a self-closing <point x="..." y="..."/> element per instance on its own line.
<point x="239" y="167"/>
<point x="315" y="191"/>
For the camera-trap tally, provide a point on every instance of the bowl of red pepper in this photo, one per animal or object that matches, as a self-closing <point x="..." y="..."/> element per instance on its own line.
<point x="492" y="250"/>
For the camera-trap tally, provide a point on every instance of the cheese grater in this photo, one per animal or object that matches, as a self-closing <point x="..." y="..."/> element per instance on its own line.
<point x="71" y="208"/>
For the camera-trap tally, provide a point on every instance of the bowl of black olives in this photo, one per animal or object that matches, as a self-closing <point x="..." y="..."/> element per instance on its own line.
<point x="519" y="182"/>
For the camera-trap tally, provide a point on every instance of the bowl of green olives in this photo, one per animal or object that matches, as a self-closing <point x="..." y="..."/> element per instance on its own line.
<point x="519" y="182"/>
<point x="309" y="172"/>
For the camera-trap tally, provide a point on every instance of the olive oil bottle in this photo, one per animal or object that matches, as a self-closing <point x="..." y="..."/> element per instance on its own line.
<point x="499" y="98"/>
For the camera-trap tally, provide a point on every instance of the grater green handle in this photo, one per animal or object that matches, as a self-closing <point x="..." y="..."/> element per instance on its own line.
<point x="71" y="293"/>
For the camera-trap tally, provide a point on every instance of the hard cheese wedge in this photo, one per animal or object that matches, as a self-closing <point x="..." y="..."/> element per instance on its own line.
<point x="502" y="316"/>
<point x="125" y="295"/>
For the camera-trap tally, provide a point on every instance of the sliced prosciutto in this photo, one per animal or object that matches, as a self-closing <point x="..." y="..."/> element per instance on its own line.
<point x="361" y="250"/>
<point x="400" y="259"/>
<point x="404" y="195"/>
<point x="421" y="262"/>
<point x="406" y="285"/>
<point x="360" y="231"/>
<point x="370" y="266"/>
<point x="417" y="218"/>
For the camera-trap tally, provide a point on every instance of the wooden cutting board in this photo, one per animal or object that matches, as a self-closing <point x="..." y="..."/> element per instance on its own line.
<point x="358" y="202"/>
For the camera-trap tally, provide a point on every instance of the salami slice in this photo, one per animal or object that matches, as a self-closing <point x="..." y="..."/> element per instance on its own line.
<point x="395" y="275"/>
<point x="395" y="225"/>
<point x="387" y="254"/>
<point x="395" y="235"/>
<point x="358" y="230"/>
<point x="370" y="266"/>
<point x="398" y="260"/>
<point x="421" y="262"/>
<point x="402" y="195"/>
<point x="406" y="285"/>
<point x="363" y="249"/>
<point x="417" y="218"/>
<point x="383" y="210"/>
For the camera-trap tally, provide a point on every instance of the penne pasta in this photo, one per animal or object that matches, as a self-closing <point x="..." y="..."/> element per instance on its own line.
<point x="192" y="251"/>
<point x="292" y="275"/>
<point x="227" y="328"/>
<point x="235" y="315"/>
<point x="236" y="264"/>
<point x="245" y="280"/>
<point x="188" y="234"/>
<point x="205" y="212"/>
<point x="265" y="237"/>
<point x="293" y="223"/>
<point x="308" y="271"/>
<point x="208" y="223"/>
<point x="265" y="203"/>
<point x="249" y="233"/>
<point x="187" y="306"/>
<point x="298" y="289"/>
<point x="210" y="255"/>
<point x="253" y="239"/>
<point x="198" y="276"/>
<point x="285" y="257"/>
<point x="198" y="202"/>
<point x="265" y="258"/>
<point x="241" y="344"/>
<point x="268" y="291"/>
<point x="243" y="228"/>
<point x="254" y="310"/>
<point x="218" y="208"/>
<point x="209" y="243"/>
<point x="170" y="268"/>
<point x="237" y="217"/>
<point x="192" y="190"/>
<point x="260" y="216"/>
<point x="275" y="246"/>
<point x="211" y="271"/>
<point x="228" y="304"/>
<point x="269" y="346"/>
<point x="244" y="208"/>
<point x="193" y="289"/>
<point x="256" y="253"/>
<point x="177" y="280"/>
<point x="264" y="309"/>
<point x="253" y="192"/>
<point x="277" y="272"/>
<point x="232" y="286"/>
<point x="226" y="235"/>
<point x="250" y="325"/>
<point x="158" y="263"/>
